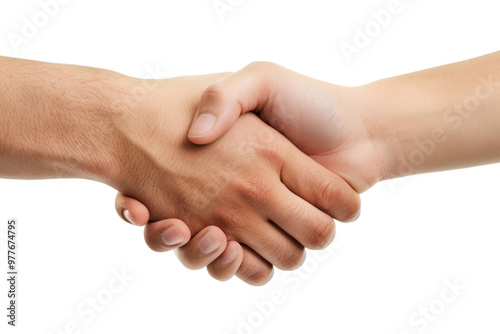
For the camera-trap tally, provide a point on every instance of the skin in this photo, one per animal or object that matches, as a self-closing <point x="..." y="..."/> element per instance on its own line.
<point x="438" y="119"/>
<point x="252" y="192"/>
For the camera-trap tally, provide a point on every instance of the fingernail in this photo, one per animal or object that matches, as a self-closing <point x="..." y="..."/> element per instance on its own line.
<point x="229" y="255"/>
<point x="128" y="217"/>
<point x="357" y="216"/>
<point x="202" y="125"/>
<point x="208" y="244"/>
<point x="172" y="236"/>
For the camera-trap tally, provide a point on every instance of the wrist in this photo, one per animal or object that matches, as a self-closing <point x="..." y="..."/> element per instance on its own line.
<point x="80" y="117"/>
<point x="378" y="112"/>
<point x="57" y="120"/>
<point x="132" y="114"/>
<point x="405" y="123"/>
<point x="100" y="156"/>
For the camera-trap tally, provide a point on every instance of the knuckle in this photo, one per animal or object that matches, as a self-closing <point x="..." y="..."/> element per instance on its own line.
<point x="228" y="218"/>
<point x="153" y="240"/>
<point x="292" y="212"/>
<point x="331" y="194"/>
<point x="187" y="260"/>
<point x="288" y="254"/>
<point x="353" y="210"/>
<point x="254" y="275"/>
<point x="213" y="93"/>
<point x="255" y="191"/>
<point x="153" y="245"/>
<point x="264" y="66"/>
<point x="321" y="235"/>
<point x="190" y="258"/>
<point x="270" y="152"/>
<point x="291" y="260"/>
<point x="328" y="193"/>
<point x="218" y="273"/>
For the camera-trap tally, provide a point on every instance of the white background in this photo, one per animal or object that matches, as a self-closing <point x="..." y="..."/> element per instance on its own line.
<point x="413" y="234"/>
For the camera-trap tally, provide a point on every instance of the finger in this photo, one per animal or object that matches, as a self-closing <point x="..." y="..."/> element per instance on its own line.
<point x="257" y="232"/>
<point x="165" y="235"/>
<point x="274" y="245"/>
<point x="225" y="100"/>
<point x="203" y="248"/>
<point x="320" y="187"/>
<point x="131" y="210"/>
<point x="226" y="265"/>
<point x="310" y="226"/>
<point x="254" y="270"/>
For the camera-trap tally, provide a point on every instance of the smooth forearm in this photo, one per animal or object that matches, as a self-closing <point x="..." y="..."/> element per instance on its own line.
<point x="57" y="120"/>
<point x="438" y="119"/>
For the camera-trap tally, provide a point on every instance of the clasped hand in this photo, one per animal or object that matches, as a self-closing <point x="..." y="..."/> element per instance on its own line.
<point x="251" y="200"/>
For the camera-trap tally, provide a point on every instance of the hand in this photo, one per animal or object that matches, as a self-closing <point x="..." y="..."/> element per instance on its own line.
<point x="248" y="183"/>
<point x="325" y="121"/>
<point x="399" y="126"/>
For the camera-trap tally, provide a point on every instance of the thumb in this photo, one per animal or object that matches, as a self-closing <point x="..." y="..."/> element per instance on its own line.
<point x="131" y="210"/>
<point x="223" y="101"/>
<point x="168" y="234"/>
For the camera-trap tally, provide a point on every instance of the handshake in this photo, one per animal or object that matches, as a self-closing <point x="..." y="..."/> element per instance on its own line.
<point x="241" y="172"/>
<point x="238" y="196"/>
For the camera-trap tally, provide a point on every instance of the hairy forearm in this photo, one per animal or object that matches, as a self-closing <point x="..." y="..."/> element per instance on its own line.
<point x="57" y="121"/>
<point x="442" y="118"/>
